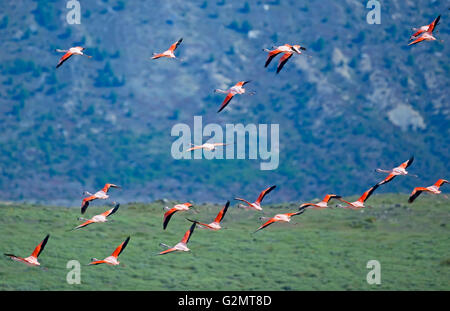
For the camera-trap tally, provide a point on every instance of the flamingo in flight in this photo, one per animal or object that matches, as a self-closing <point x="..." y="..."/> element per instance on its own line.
<point x="360" y="202"/>
<point x="173" y="210"/>
<point x="170" y="52"/>
<point x="98" y="218"/>
<point x="425" y="35"/>
<point x="111" y="260"/>
<point x="434" y="189"/>
<point x="287" y="50"/>
<point x="321" y="204"/>
<point x="182" y="245"/>
<point x="286" y="217"/>
<point x="215" y="225"/>
<point x="257" y="204"/>
<point x="399" y="170"/>
<point x="77" y="50"/>
<point x="207" y="146"/>
<point x="238" y="88"/>
<point x="420" y="30"/>
<point x="32" y="260"/>
<point x="102" y="194"/>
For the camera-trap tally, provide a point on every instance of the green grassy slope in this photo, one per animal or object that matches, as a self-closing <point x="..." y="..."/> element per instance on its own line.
<point x="325" y="250"/>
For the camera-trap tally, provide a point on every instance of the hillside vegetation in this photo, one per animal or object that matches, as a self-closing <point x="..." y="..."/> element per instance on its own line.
<point x="321" y="249"/>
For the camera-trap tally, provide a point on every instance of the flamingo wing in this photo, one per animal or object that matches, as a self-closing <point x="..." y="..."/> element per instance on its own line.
<point x="434" y="24"/>
<point x="86" y="223"/>
<point x="263" y="194"/>
<point x="328" y="197"/>
<point x="199" y="223"/>
<point x="283" y="60"/>
<point x="242" y="83"/>
<point x="16" y="258"/>
<point x="416" y="192"/>
<point x="107" y="186"/>
<point x="420" y="39"/>
<point x="111" y="211"/>
<point x="440" y="182"/>
<point x="368" y="193"/>
<point x="271" y="55"/>
<point x="304" y="205"/>
<point x="167" y="216"/>
<point x="407" y="163"/>
<point x="387" y="179"/>
<point x="97" y="262"/>
<point x="170" y="250"/>
<point x="174" y="46"/>
<point x="38" y="250"/>
<point x="194" y="148"/>
<point x="120" y="248"/>
<point x="418" y="32"/>
<point x="85" y="203"/>
<point x="188" y="234"/>
<point x="226" y="101"/>
<point x="156" y="56"/>
<point x="296" y="213"/>
<point x="64" y="58"/>
<point x="222" y="213"/>
<point x="245" y="201"/>
<point x="268" y="223"/>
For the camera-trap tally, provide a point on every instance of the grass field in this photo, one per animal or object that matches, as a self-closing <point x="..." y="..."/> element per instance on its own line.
<point x="322" y="249"/>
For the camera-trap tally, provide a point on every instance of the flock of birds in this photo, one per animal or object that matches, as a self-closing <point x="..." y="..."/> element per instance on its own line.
<point x="424" y="33"/>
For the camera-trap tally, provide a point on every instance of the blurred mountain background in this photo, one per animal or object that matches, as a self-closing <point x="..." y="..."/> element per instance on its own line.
<point x="363" y="100"/>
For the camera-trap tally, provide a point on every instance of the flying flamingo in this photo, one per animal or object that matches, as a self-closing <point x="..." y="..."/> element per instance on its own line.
<point x="111" y="260"/>
<point x="323" y="203"/>
<point x="423" y="29"/>
<point x="170" y="52"/>
<point x="236" y="89"/>
<point x="98" y="218"/>
<point x="215" y="225"/>
<point x="360" y="202"/>
<point x="182" y="245"/>
<point x="399" y="170"/>
<point x="102" y="194"/>
<point x="33" y="259"/>
<point x="206" y="146"/>
<point x="173" y="210"/>
<point x="257" y="204"/>
<point x="77" y="50"/>
<point x="287" y="50"/>
<point x="434" y="189"/>
<point x="428" y="34"/>
<point x="280" y="217"/>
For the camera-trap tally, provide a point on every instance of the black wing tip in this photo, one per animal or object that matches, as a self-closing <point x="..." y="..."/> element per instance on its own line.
<point x="116" y="207"/>
<point x="126" y="241"/>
